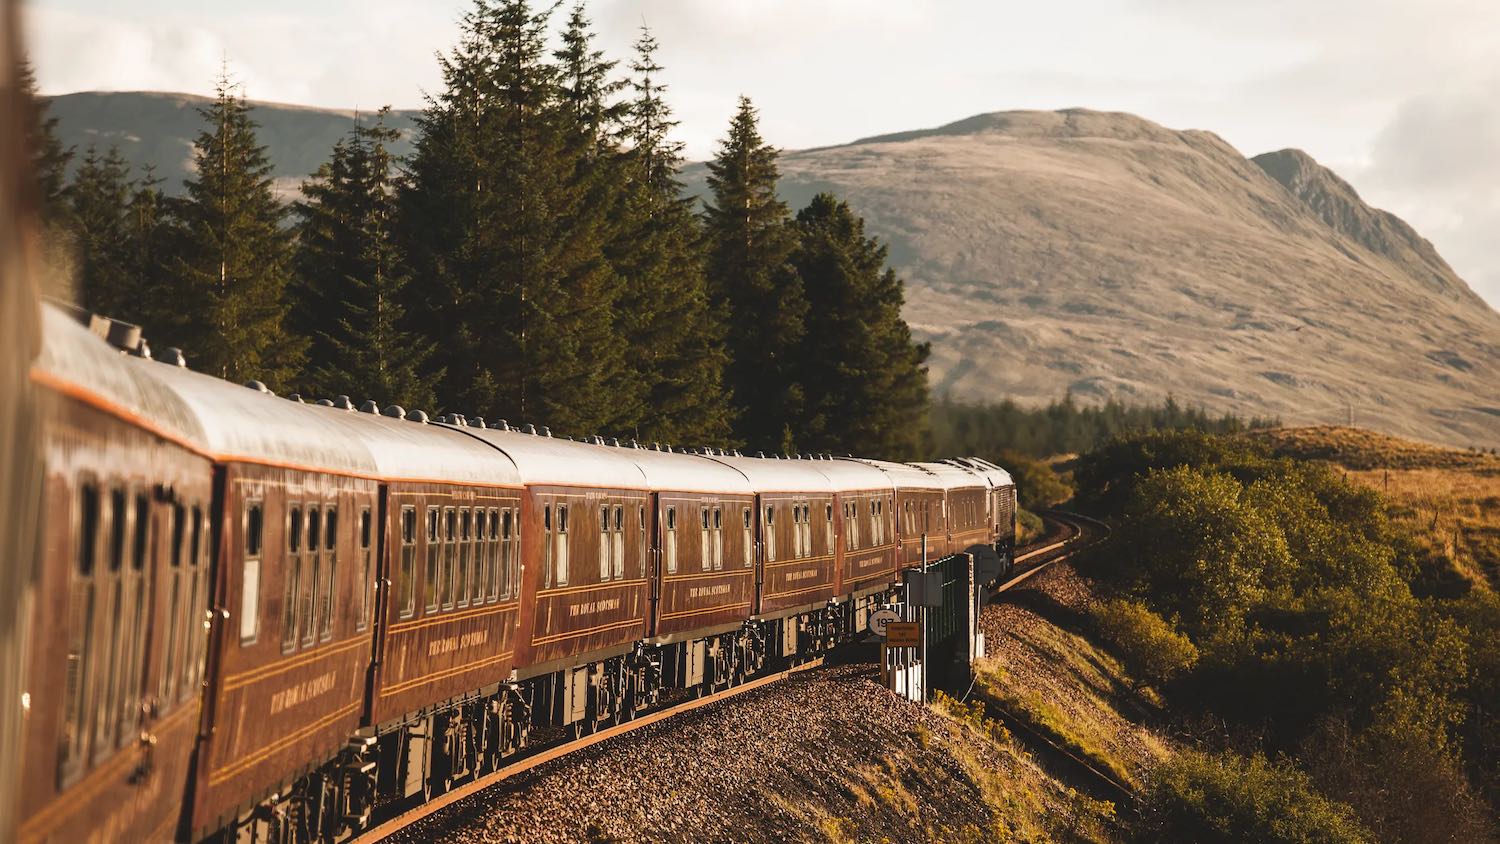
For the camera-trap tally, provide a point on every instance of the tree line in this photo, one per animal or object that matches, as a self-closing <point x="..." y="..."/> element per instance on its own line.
<point x="533" y="259"/>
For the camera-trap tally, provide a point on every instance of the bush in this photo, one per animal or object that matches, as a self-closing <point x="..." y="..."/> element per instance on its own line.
<point x="1225" y="797"/>
<point x="1151" y="649"/>
<point x="1037" y="485"/>
<point x="1028" y="526"/>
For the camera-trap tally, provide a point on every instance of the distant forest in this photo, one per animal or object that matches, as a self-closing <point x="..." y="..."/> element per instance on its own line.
<point x="532" y="260"/>
<point x="1065" y="427"/>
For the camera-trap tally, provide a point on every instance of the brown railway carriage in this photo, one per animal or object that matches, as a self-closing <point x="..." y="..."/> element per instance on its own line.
<point x="703" y="545"/>
<point x="966" y="507"/>
<point x="117" y="643"/>
<point x="865" y="508"/>
<point x="919" y="510"/>
<point x="292" y="636"/>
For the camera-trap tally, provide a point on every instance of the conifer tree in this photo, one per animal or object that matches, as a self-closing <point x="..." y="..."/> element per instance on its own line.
<point x="865" y="379"/>
<point x="753" y="281"/>
<point x="49" y="158"/>
<point x="349" y="278"/>
<point x="149" y="259"/>
<point x="98" y="207"/>
<point x="504" y="227"/>
<point x="676" y="340"/>
<point x="233" y="256"/>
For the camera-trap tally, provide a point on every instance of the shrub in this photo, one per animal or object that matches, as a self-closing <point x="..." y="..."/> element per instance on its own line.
<point x="1151" y="649"/>
<point x="1225" y="797"/>
<point x="1028" y="526"/>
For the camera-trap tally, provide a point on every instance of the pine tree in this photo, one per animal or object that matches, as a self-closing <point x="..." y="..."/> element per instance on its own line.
<point x="504" y="226"/>
<point x="148" y="257"/>
<point x="866" y="385"/>
<point x="49" y="158"/>
<point x="233" y="258"/>
<point x="349" y="278"/>
<point x="98" y="207"/>
<point x="676" y="340"/>
<point x="753" y="282"/>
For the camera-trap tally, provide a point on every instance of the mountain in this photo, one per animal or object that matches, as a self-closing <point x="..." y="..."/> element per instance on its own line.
<point x="1091" y="252"/>
<point x="157" y="129"/>
<point x="1103" y="254"/>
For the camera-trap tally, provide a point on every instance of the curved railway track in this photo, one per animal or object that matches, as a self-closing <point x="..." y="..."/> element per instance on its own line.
<point x="1073" y="533"/>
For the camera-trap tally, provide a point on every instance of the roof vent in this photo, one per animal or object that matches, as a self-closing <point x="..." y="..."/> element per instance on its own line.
<point x="760" y="454"/>
<point x="369" y="407"/>
<point x="343" y="403"/>
<point x="737" y="453"/>
<point x="528" y="428"/>
<point x="257" y="387"/>
<point x="395" y="411"/>
<point x="417" y="416"/>
<point x="596" y="440"/>
<point x="669" y="449"/>
<point x="173" y="355"/>
<point x="478" y="422"/>
<point x="323" y="403"/>
<point x="296" y="397"/>
<point x="546" y="432"/>
<point x="143" y="350"/>
<point x="503" y="425"/>
<point x="443" y="418"/>
<point x="633" y="443"/>
<point x="462" y="419"/>
<point x="614" y="441"/>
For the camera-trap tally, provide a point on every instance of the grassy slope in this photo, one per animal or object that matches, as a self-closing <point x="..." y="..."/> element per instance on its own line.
<point x="1450" y="496"/>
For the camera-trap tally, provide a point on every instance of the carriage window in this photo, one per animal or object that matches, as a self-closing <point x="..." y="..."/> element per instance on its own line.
<point x="166" y="689"/>
<point x="491" y="589"/>
<point x="313" y="570"/>
<point x="807" y="529"/>
<point x="705" y="555"/>
<point x="362" y="589"/>
<point x="619" y="542"/>
<point x="547" y="543"/>
<point x="330" y="578"/>
<point x="197" y="630"/>
<point x="669" y="546"/>
<point x="718" y="538"/>
<point x="250" y="584"/>
<point x="507" y="555"/>
<point x="74" y="734"/>
<point x="293" y="579"/>
<point x="450" y="536"/>
<point x="465" y="556"/>
<point x="560" y="555"/>
<point x="828" y="528"/>
<point x="434" y="558"/>
<point x="408" y="605"/>
<point x="606" y="544"/>
<point x="769" y="537"/>
<point x="747" y="536"/>
<point x="133" y="640"/>
<point x="105" y="667"/>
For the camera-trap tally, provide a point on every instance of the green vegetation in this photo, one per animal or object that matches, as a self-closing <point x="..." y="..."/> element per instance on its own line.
<point x="532" y="260"/>
<point x="1224" y="797"/>
<point x="1063" y="427"/>
<point x="1295" y="588"/>
<point x="1150" y="648"/>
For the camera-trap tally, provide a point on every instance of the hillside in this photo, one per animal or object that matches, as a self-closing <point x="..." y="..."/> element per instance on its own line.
<point x="1102" y="253"/>
<point x="1094" y="252"/>
<point x="156" y="129"/>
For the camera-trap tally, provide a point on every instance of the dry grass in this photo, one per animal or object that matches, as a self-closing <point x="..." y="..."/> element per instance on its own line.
<point x="1449" y="497"/>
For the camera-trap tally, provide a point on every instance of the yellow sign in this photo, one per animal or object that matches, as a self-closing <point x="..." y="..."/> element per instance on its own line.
<point x="903" y="634"/>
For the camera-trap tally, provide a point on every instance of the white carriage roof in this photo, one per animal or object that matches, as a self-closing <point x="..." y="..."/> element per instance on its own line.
<point x="667" y="471"/>
<point x="902" y="475"/>
<point x="241" y="424"/>
<point x="769" y="474"/>
<point x="997" y="476"/>
<point x="854" y="476"/>
<point x="544" y="461"/>
<point x="74" y="358"/>
<point x="954" y="477"/>
<point x="411" y="451"/>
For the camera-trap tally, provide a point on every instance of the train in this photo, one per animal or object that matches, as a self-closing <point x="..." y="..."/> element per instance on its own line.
<point x="262" y="618"/>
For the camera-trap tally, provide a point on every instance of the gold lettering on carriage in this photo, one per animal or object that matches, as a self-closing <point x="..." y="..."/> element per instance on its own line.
<point x="804" y="574"/>
<point x="708" y="591"/>
<point x="302" y="692"/>
<point x="438" y="647"/>
<point x="591" y="607"/>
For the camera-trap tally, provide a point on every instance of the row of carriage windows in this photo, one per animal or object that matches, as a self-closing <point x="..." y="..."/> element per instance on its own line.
<point x="309" y="604"/>
<point x="473" y="558"/>
<point x="106" y="678"/>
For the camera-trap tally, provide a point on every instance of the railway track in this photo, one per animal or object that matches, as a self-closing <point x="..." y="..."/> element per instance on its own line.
<point x="1076" y="533"/>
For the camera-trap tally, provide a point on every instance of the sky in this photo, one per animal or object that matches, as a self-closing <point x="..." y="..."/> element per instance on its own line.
<point x="1400" y="97"/>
